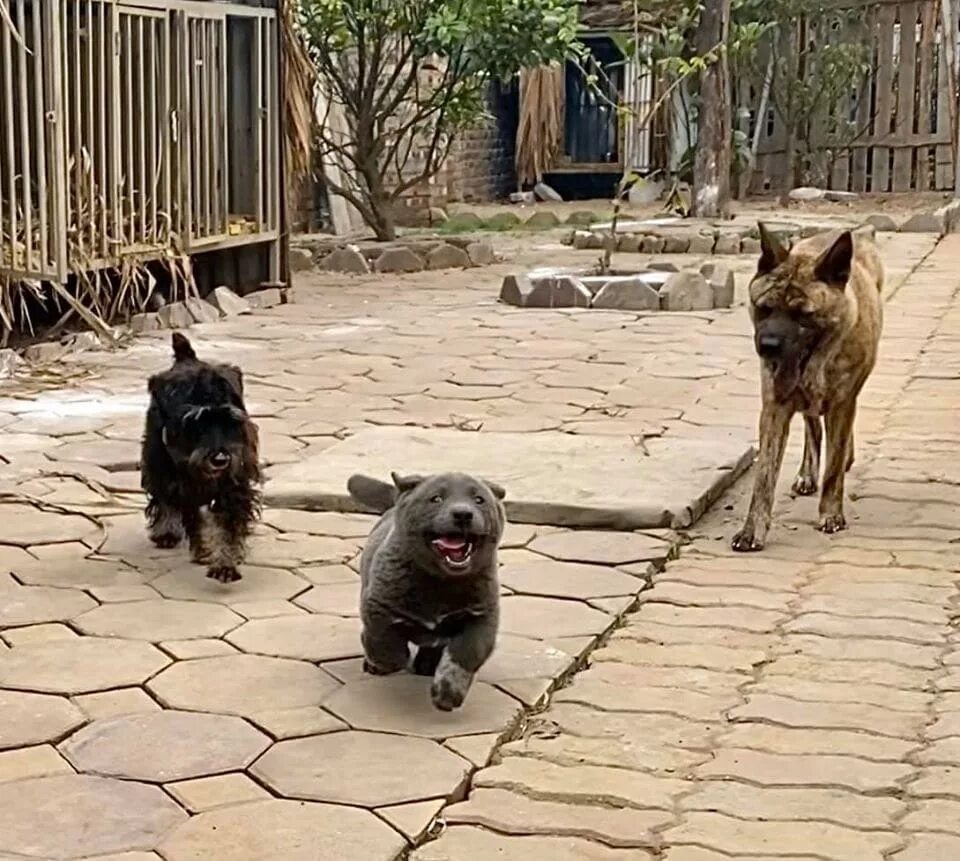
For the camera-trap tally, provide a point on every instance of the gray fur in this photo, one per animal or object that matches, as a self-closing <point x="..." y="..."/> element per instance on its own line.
<point x="410" y="594"/>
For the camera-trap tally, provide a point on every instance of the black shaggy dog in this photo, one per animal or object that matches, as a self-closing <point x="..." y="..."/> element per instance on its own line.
<point x="199" y="465"/>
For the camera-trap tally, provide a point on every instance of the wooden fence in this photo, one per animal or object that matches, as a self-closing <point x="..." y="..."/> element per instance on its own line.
<point x="901" y="116"/>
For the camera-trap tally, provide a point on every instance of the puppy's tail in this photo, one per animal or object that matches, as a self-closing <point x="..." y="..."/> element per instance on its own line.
<point x="182" y="348"/>
<point x="372" y="493"/>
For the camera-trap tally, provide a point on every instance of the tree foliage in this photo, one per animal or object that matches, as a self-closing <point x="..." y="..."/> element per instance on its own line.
<point x="408" y="75"/>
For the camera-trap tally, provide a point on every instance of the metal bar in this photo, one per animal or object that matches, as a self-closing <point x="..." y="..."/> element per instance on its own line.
<point x="153" y="126"/>
<point x="71" y="55"/>
<point x="57" y="132"/>
<point x="258" y="123"/>
<point x="197" y="121"/>
<point x="185" y="130"/>
<point x="209" y="150"/>
<point x="10" y="153"/>
<point x="224" y="128"/>
<point x="100" y="154"/>
<point x="271" y="120"/>
<point x="141" y="122"/>
<point x="25" y="171"/>
<point x="41" y="137"/>
<point x="165" y="157"/>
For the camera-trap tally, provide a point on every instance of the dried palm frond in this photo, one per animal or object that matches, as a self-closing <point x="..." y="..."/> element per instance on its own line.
<point x="300" y="79"/>
<point x="541" y="121"/>
<point x="7" y="22"/>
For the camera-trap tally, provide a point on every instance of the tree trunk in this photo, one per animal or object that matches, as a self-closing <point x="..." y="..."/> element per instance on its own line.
<point x="711" y="169"/>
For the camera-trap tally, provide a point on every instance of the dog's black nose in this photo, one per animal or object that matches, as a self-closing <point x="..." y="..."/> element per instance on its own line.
<point x="220" y="460"/>
<point x="769" y="346"/>
<point x="462" y="515"/>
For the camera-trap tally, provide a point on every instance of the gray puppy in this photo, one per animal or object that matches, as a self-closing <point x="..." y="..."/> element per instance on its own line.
<point x="429" y="577"/>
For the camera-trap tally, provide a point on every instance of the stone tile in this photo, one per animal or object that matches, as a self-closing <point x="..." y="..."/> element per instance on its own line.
<point x="158" y="620"/>
<point x="329" y="523"/>
<point x="791" y="740"/>
<point x="258" y="584"/>
<point x="512" y="813"/>
<point x="694" y="853"/>
<point x="738" y="618"/>
<point x="773" y="769"/>
<point x="680" y="655"/>
<point x="308" y="637"/>
<point x="933" y="814"/>
<point x="164" y="746"/>
<point x="209" y="793"/>
<point x="76" y="573"/>
<point x="946" y="751"/>
<point x="544" y="618"/>
<point x="297" y="723"/>
<point x="268" y="608"/>
<point x="80" y="666"/>
<point x="929" y="847"/>
<point x="858" y="649"/>
<point x="337" y="599"/>
<point x="412" y="820"/>
<point x="730" y="835"/>
<point x="601" y="548"/>
<point x="827" y="625"/>
<point x="789" y="712"/>
<point x="126" y="701"/>
<point x="809" y="690"/>
<point x="243" y="685"/>
<point x="291" y="830"/>
<point x="793" y="666"/>
<point x="27" y="762"/>
<point x="295" y="550"/>
<point x="33" y="605"/>
<point x="323" y="575"/>
<point x="401" y="704"/>
<point x="686" y="595"/>
<point x="362" y="769"/>
<point x="45" y="633"/>
<point x="124" y="594"/>
<point x="461" y="842"/>
<point x="662" y="634"/>
<point x="522" y="658"/>
<point x="476" y="748"/>
<point x="945" y="726"/>
<point x="24" y="526"/>
<point x="186" y="650"/>
<point x="936" y="781"/>
<point x="93" y="816"/>
<point x="553" y="579"/>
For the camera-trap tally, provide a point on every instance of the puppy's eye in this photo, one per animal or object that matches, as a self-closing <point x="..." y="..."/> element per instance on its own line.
<point x="479" y="500"/>
<point x="436" y="500"/>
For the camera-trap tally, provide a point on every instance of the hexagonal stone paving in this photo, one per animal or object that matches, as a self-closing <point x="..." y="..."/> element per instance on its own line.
<point x="164" y="746"/>
<point x="258" y="584"/>
<point x="80" y="665"/>
<point x="401" y="704"/>
<point x="76" y="816"/>
<point x="284" y="831"/>
<point x="523" y="658"/>
<point x="366" y="769"/>
<point x="242" y="685"/>
<point x="337" y="599"/>
<point x="544" y="618"/>
<point x="24" y="525"/>
<point x="534" y="575"/>
<point x="29" y="719"/>
<point x="33" y="605"/>
<point x="159" y="620"/>
<point x="601" y="548"/>
<point x="78" y="573"/>
<point x="306" y="638"/>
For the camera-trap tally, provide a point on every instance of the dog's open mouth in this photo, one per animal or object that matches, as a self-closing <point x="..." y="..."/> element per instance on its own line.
<point x="454" y="550"/>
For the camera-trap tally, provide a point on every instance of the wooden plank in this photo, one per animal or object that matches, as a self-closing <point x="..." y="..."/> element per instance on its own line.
<point x="906" y="97"/>
<point x="925" y="119"/>
<point x="883" y="117"/>
<point x="943" y="173"/>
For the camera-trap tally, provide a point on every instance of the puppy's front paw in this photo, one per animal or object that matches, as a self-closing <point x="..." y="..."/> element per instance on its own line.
<point x="804" y="485"/>
<point x="224" y="574"/>
<point x="830" y="524"/>
<point x="166" y="540"/>
<point x="427" y="659"/>
<point x="372" y="669"/>
<point x="746" y="541"/>
<point x="446" y="694"/>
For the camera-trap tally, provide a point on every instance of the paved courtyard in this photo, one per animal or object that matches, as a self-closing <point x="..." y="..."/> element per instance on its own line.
<point x="647" y="700"/>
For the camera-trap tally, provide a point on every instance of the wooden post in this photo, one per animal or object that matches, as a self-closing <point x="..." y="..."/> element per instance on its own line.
<point x="948" y="13"/>
<point x="711" y="169"/>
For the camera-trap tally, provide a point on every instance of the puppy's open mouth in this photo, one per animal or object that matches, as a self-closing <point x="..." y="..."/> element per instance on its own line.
<point x="454" y="550"/>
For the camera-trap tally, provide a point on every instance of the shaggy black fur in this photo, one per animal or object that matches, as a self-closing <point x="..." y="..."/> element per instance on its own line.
<point x="200" y="466"/>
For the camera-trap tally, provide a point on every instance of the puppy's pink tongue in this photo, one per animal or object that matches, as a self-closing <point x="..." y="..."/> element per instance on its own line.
<point x="450" y="543"/>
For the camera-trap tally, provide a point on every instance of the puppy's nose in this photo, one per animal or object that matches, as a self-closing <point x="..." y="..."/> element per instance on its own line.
<point x="462" y="515"/>
<point x="220" y="460"/>
<point x="769" y="346"/>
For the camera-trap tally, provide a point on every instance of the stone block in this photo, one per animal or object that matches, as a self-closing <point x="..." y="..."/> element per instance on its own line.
<point x="595" y="283"/>
<point x="631" y="243"/>
<point x="835" y="196"/>
<point x="522" y="197"/>
<point x="398" y="260"/>
<point x="448" y="257"/>
<point x="663" y="266"/>
<point x="686" y="291"/>
<point x="883" y="223"/>
<point x="300" y="259"/>
<point x="515" y="290"/>
<point x="202" y="312"/>
<point x="563" y="291"/>
<point x="347" y="259"/>
<point x="227" y="302"/>
<point x="867" y="231"/>
<point x="676" y="244"/>
<point x="627" y="294"/>
<point x="806" y="193"/>
<point x="542" y="221"/>
<point x="175" y="316"/>
<point x="464" y="221"/>
<point x="84" y="341"/>
<point x="749" y="245"/>
<point x="503" y="221"/>
<point x="652" y="245"/>
<point x="727" y="243"/>
<point x="925" y="222"/>
<point x="542" y="191"/>
<point x="268" y="297"/>
<point x="582" y="218"/>
<point x="701" y="244"/>
<point x="951" y="216"/>
<point x="9" y="361"/>
<point x="481" y="254"/>
<point x="586" y="239"/>
<point x="145" y="323"/>
<point x="721" y="282"/>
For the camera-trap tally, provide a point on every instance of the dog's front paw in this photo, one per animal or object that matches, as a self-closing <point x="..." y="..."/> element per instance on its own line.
<point x="830" y="524"/>
<point x="166" y="540"/>
<point x="224" y="574"/>
<point x="372" y="669"/>
<point x="804" y="485"/>
<point x="446" y="694"/>
<point x="427" y="659"/>
<point x="746" y="541"/>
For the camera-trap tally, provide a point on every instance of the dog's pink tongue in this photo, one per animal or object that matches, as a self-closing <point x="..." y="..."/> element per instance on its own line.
<point x="450" y="543"/>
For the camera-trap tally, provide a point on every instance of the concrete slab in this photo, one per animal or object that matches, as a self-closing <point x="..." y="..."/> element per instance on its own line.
<point x="557" y="479"/>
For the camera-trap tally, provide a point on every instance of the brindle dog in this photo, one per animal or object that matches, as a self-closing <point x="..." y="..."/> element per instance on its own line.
<point x="817" y="317"/>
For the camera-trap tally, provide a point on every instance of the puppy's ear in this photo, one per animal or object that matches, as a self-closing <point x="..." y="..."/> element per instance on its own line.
<point x="182" y="348"/>
<point x="833" y="267"/>
<point x="772" y="251"/>
<point x="372" y="493"/>
<point x="406" y="483"/>
<point x="496" y="489"/>
<point x="234" y="377"/>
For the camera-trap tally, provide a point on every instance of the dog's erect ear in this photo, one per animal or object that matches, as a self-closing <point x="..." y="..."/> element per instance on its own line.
<point x="182" y="348"/>
<point x="496" y="489"/>
<point x="833" y="267"/>
<point x="234" y="377"/>
<point x="772" y="251"/>
<point x="372" y="493"/>
<point x="406" y="483"/>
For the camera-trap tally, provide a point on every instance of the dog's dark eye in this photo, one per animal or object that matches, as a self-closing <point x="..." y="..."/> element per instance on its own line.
<point x="436" y="500"/>
<point x="762" y="311"/>
<point x="479" y="499"/>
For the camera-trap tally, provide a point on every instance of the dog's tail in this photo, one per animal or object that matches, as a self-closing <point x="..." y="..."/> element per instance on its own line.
<point x="182" y="348"/>
<point x="372" y="493"/>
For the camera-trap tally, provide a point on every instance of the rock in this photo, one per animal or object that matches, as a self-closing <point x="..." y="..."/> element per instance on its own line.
<point x="398" y="260"/>
<point x="663" y="266"/>
<point x="9" y="361"/>
<point x="582" y="218"/>
<point x="481" y="254"/>
<point x="839" y="196"/>
<point x="145" y="323"/>
<point x="721" y="282"/>
<point x="503" y="221"/>
<point x="542" y="191"/>
<point x="686" y="291"/>
<point x="631" y="243"/>
<point x="951" y="216"/>
<point x="676" y="244"/>
<point x="414" y="216"/>
<point x="227" y="302"/>
<point x="515" y="290"/>
<point x="644" y="192"/>
<point x="175" y="316"/>
<point x="523" y="197"/>
<point x="866" y="230"/>
<point x="268" y="297"/>
<point x="542" y="221"/>
<point x="463" y="221"/>
<point x="448" y="257"/>
<point x="652" y="245"/>
<point x="701" y="245"/>
<point x="924" y="222"/>
<point x="436" y="215"/>
<point x="156" y="300"/>
<point x="583" y="239"/>
<point x="883" y="223"/>
<point x="346" y="259"/>
<point x="806" y="193"/>
<point x="300" y="259"/>
<point x="749" y="245"/>
<point x="202" y="312"/>
<point x="627" y="294"/>
<point x="727" y="243"/>
<point x="563" y="291"/>
<point x="84" y="341"/>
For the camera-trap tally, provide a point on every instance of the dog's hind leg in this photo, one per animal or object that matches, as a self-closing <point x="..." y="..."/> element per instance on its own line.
<point x="463" y="657"/>
<point x="807" y="480"/>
